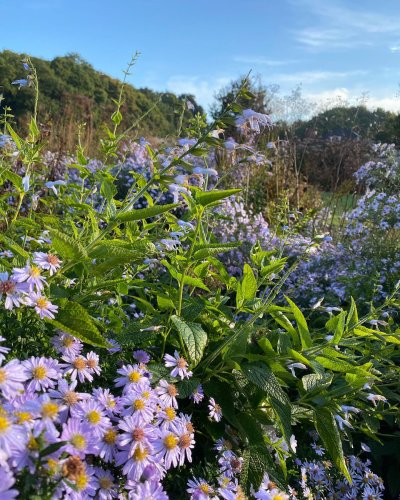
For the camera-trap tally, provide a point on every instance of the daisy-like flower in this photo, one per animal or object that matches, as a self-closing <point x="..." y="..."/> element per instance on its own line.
<point x="130" y="375"/>
<point x="186" y="439"/>
<point x="148" y="489"/>
<point x="115" y="346"/>
<point x="167" y="393"/>
<point x="66" y="344"/>
<point x="140" y="407"/>
<point x="3" y="350"/>
<point x="92" y="361"/>
<point x="141" y="356"/>
<point x="135" y="435"/>
<point x="167" y="447"/>
<point x="199" y="489"/>
<point x="80" y="440"/>
<point x="31" y="275"/>
<point x="47" y="261"/>
<point x="42" y="305"/>
<point x="12" y="437"/>
<point x="13" y="290"/>
<point x="92" y="414"/>
<point x="12" y="377"/>
<point x="230" y="463"/>
<point x="109" y="403"/>
<point x="215" y="410"/>
<point x="84" y="484"/>
<point x="134" y="466"/>
<point x="166" y="417"/>
<point x="67" y="397"/>
<point x="76" y="367"/>
<point x="104" y="484"/>
<point x="107" y="444"/>
<point x="42" y="371"/>
<point x="6" y="482"/>
<point x="197" y="395"/>
<point x="179" y="365"/>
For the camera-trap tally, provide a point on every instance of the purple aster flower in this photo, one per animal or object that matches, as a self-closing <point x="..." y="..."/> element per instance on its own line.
<point x="92" y="414"/>
<point x="107" y="444"/>
<point x="215" y="410"/>
<point x="76" y="367"/>
<point x="42" y="305"/>
<point x="66" y="344"/>
<point x="141" y="356"/>
<point x="179" y="364"/>
<point x="148" y="489"/>
<point x="92" y="361"/>
<point x="13" y="290"/>
<point x="3" y="350"/>
<point x="12" y="437"/>
<point x="199" y="489"/>
<point x="67" y="397"/>
<point x="6" y="482"/>
<point x="81" y="441"/>
<point x="133" y="466"/>
<point x="197" y="395"/>
<point x="184" y="430"/>
<point x="167" y="447"/>
<point x="104" y="484"/>
<point x="12" y="376"/>
<point x="139" y="406"/>
<point x="167" y="393"/>
<point x="110" y="403"/>
<point x="47" y="261"/>
<point x="42" y="371"/>
<point x="230" y="463"/>
<point x="23" y="82"/>
<point x="136" y="435"/>
<point x="130" y="375"/>
<point x="84" y="484"/>
<point x="31" y="275"/>
<point x="166" y="417"/>
<point x="116" y="347"/>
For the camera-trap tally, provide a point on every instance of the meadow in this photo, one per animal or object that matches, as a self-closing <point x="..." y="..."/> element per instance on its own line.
<point x="189" y="318"/>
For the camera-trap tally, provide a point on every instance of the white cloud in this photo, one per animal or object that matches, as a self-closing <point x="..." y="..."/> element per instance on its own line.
<point x="394" y="48"/>
<point x="203" y="90"/>
<point x="263" y="61"/>
<point x="310" y="77"/>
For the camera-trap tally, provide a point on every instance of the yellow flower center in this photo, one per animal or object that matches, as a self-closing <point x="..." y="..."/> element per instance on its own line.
<point x="4" y="424"/>
<point x="134" y="377"/>
<point x="68" y="341"/>
<point x="78" y="441"/>
<point x="146" y="394"/>
<point x="105" y="483"/>
<point x="93" y="417"/>
<point x="35" y="272"/>
<point x="39" y="373"/>
<point x="205" y="488"/>
<point x="139" y="404"/>
<point x="110" y="403"/>
<point x="23" y="416"/>
<point x="52" y="465"/>
<point x="170" y="441"/>
<point x="140" y="454"/>
<point x="33" y="444"/>
<point x="42" y="303"/>
<point x="81" y="481"/>
<point x="109" y="436"/>
<point x="49" y="410"/>
<point x="278" y="497"/>
<point x="3" y="375"/>
<point x="171" y="413"/>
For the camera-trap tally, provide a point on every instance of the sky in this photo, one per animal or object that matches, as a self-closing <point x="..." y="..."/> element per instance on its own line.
<point x="333" y="48"/>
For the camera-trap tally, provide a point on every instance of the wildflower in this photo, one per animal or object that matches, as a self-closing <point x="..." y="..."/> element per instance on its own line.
<point x="47" y="261"/>
<point x="167" y="393"/>
<point x="141" y="356"/>
<point x="230" y="463"/>
<point x="90" y="411"/>
<point x="23" y="82"/>
<point x="107" y="444"/>
<point x="6" y="482"/>
<point x="215" y="410"/>
<point x="197" y="395"/>
<point x="148" y="489"/>
<point x="12" y="376"/>
<point x="52" y="185"/>
<point x="133" y="466"/>
<point x="136" y="434"/>
<point x="342" y="422"/>
<point x="84" y="484"/>
<point x="3" y="350"/>
<point x="31" y="275"/>
<point x="199" y="489"/>
<point x="66" y="344"/>
<point x="76" y="367"/>
<point x="67" y="396"/>
<point x="252" y="120"/>
<point x="104" y="484"/>
<point x="115" y="346"/>
<point x="42" y="305"/>
<point x="131" y="375"/>
<point x="319" y="450"/>
<point x="186" y="440"/>
<point x="81" y="441"/>
<point x="365" y="448"/>
<point x="167" y="447"/>
<point x="26" y="183"/>
<point x="13" y="290"/>
<point x="108" y="401"/>
<point x="42" y="371"/>
<point x="12" y="437"/>
<point x="92" y="362"/>
<point x="139" y="406"/>
<point x="376" y="397"/>
<point x="179" y="364"/>
<point x="205" y="171"/>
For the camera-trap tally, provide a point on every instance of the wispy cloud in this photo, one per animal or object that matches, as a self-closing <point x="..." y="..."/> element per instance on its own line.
<point x="394" y="48"/>
<point x="340" y="26"/>
<point x="263" y="61"/>
<point x="310" y="77"/>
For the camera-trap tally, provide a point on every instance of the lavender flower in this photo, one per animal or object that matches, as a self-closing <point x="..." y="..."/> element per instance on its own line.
<point x="179" y="364"/>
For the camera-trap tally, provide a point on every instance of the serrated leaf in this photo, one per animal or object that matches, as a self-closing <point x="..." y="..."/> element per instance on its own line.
<point x="262" y="376"/>
<point x="315" y="381"/>
<point x="74" y="319"/>
<point x="12" y="245"/>
<point x="249" y="283"/>
<point x="208" y="197"/>
<point x="144" y="213"/>
<point x="193" y="336"/>
<point x="67" y="247"/>
<point x="302" y="326"/>
<point x="329" y="433"/>
<point x="204" y="251"/>
<point x="257" y="460"/>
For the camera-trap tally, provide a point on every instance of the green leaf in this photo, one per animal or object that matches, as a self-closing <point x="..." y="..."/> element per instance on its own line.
<point x="329" y="433"/>
<point x="187" y="386"/>
<point x="14" y="178"/>
<point x="302" y="326"/>
<point x="208" y="197"/>
<point x="204" y="251"/>
<point x="257" y="460"/>
<point x="193" y="336"/>
<point x="249" y="283"/>
<point x="144" y="213"/>
<point x="262" y="376"/>
<point x="12" y="245"/>
<point x="315" y="381"/>
<point x="67" y="247"/>
<point x="340" y="326"/>
<point x="74" y="319"/>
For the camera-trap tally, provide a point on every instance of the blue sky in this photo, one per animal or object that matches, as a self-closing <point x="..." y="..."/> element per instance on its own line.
<point x="331" y="47"/>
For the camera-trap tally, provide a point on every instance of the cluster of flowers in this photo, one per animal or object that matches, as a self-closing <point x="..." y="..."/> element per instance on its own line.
<point x="25" y="285"/>
<point x="72" y="440"/>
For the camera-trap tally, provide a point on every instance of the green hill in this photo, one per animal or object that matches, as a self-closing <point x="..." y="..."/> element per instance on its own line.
<point x="72" y="92"/>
